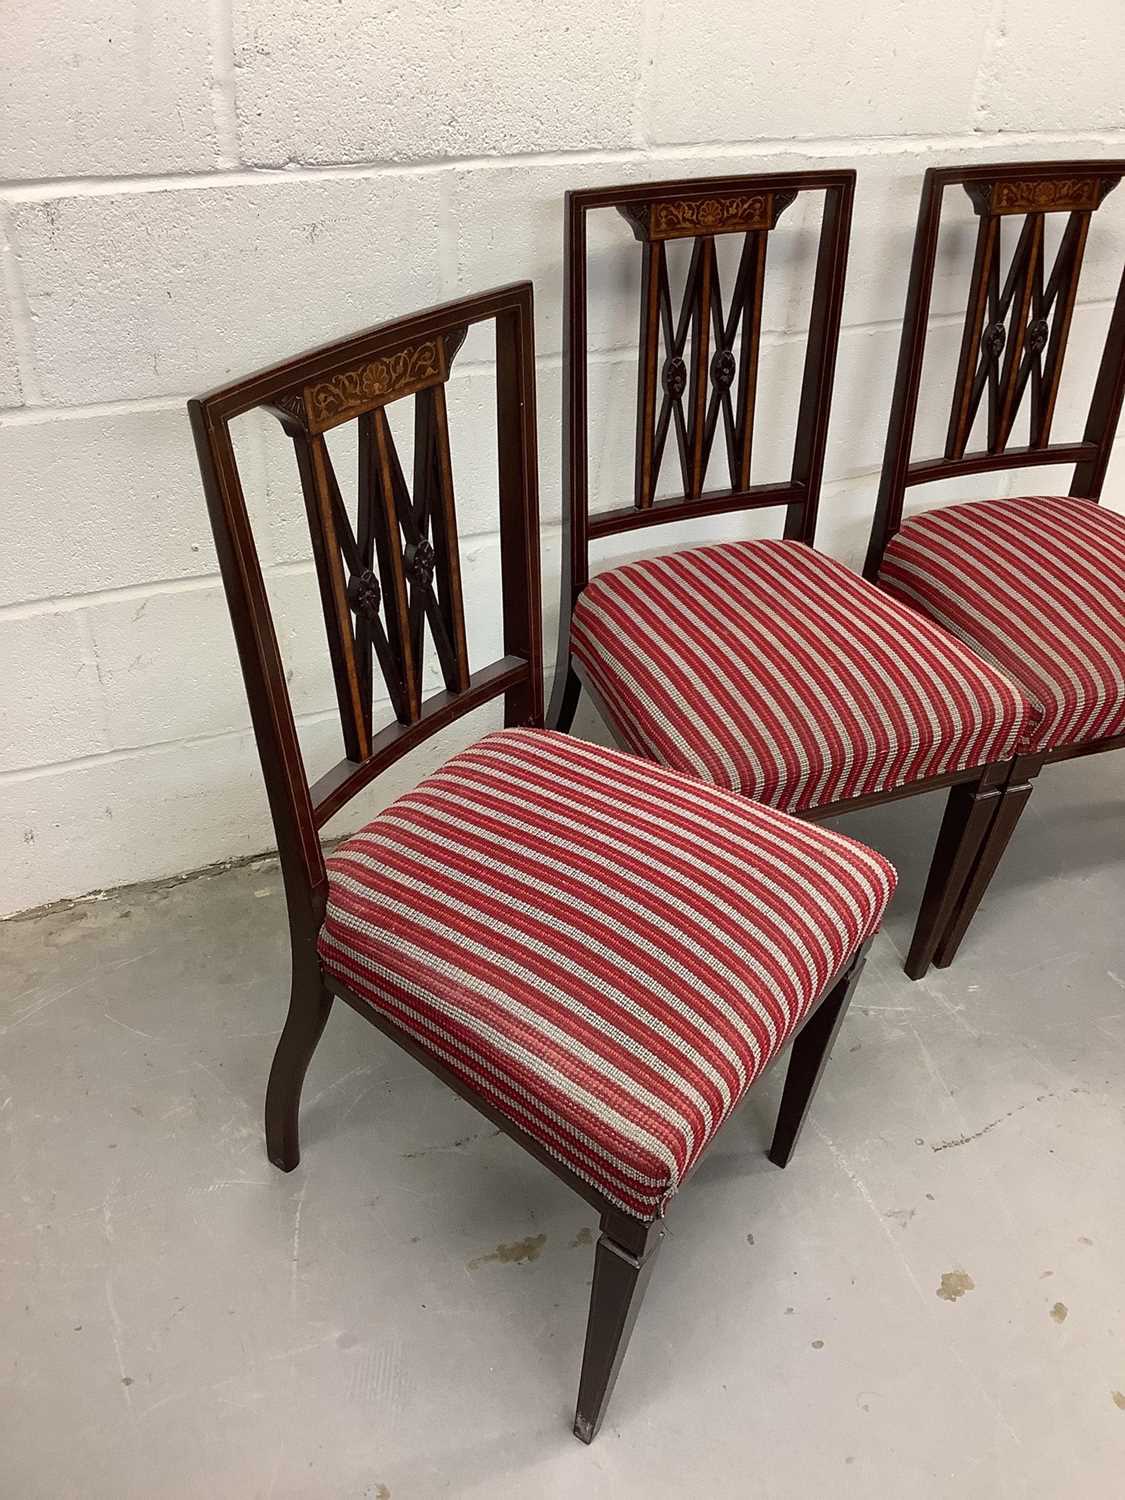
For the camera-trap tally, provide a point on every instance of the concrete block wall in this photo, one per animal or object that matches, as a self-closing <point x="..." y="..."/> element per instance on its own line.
<point x="188" y="192"/>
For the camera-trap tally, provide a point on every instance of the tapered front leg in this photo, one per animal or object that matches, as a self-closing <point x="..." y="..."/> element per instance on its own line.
<point x="620" y="1280"/>
<point x="807" y="1058"/>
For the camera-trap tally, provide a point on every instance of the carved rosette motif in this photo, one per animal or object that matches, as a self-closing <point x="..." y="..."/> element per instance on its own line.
<point x="724" y="367"/>
<point x="674" y="377"/>
<point x="364" y="594"/>
<point x="373" y="384"/>
<point x="993" y="339"/>
<point x="419" y="559"/>
<point x="1035" y="339"/>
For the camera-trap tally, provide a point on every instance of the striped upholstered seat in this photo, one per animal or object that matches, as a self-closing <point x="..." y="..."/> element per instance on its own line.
<point x="608" y="951"/>
<point x="1036" y="586"/>
<point x="769" y="669"/>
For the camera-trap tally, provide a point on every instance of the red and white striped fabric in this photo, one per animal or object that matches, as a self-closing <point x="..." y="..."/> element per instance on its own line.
<point x="1036" y="586"/>
<point x="608" y="951"/>
<point x="772" y="670"/>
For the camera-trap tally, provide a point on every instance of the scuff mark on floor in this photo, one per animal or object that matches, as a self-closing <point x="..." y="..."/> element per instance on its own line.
<point x="963" y="1140"/>
<point x="457" y="1145"/>
<point x="295" y="1253"/>
<point x="148" y="1036"/>
<point x="116" y="1333"/>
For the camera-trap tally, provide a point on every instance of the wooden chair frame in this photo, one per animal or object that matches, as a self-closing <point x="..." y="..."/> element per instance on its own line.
<point x="700" y="209"/>
<point x="1014" y="343"/>
<point x="394" y="562"/>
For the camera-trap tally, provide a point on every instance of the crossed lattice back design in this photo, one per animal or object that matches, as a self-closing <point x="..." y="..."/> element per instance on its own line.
<point x="698" y="364"/>
<point x="718" y="378"/>
<point x="391" y="578"/>
<point x="398" y="569"/>
<point x="1016" y="333"/>
<point x="1017" y="323"/>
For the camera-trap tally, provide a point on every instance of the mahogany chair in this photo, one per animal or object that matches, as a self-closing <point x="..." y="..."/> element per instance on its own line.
<point x="762" y="667"/>
<point x="597" y="954"/>
<point x="1034" y="585"/>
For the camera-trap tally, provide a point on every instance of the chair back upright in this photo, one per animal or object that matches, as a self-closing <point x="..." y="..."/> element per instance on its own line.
<point x="1014" y="341"/>
<point x="698" y="362"/>
<point x="393" y="574"/>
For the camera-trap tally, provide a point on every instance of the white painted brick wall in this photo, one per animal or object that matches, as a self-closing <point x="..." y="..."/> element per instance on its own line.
<point x="756" y="70"/>
<point x="117" y="87"/>
<point x="343" y="80"/>
<point x="187" y="192"/>
<point x="1047" y="63"/>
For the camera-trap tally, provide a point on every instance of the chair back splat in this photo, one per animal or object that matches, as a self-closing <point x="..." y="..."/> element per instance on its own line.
<point x="1014" y="342"/>
<point x="698" y="362"/>
<point x="392" y="575"/>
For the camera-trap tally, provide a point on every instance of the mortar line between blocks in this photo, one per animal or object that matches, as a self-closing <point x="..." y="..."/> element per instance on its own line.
<point x="994" y="35"/>
<point x="651" y="16"/>
<point x="16" y="295"/>
<point x="30" y="415"/>
<point x="813" y="147"/>
<point x="156" y="747"/>
<point x="199" y="582"/>
<point x="224" y="103"/>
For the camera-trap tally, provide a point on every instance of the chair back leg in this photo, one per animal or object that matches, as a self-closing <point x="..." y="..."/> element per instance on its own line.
<point x="971" y="807"/>
<point x="808" y="1055"/>
<point x="309" y="1005"/>
<point x="1012" y="802"/>
<point x="620" y="1280"/>
<point x="564" y="700"/>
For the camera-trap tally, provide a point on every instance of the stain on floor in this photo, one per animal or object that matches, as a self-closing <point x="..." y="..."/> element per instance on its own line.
<point x="1059" y="1312"/>
<point x="1118" y="1399"/>
<point x="514" y="1254"/>
<point x="955" y="1284"/>
<point x="583" y="1237"/>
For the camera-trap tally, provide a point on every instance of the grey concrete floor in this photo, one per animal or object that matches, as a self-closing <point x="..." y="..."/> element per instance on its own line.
<point x="930" y="1301"/>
